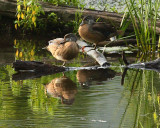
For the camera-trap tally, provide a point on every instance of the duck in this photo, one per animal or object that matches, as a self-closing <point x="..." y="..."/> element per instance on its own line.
<point x="95" y="32"/>
<point x="63" y="88"/>
<point x="64" y="49"/>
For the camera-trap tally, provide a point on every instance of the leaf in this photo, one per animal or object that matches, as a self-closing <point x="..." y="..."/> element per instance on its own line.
<point x="33" y="19"/>
<point x="22" y="15"/>
<point x="33" y="12"/>
<point x="32" y="52"/>
<point x="27" y="9"/>
<point x="20" y="54"/>
<point x="15" y="42"/>
<point x="17" y="52"/>
<point x="16" y="26"/>
<point x="18" y="16"/>
<point x="19" y="7"/>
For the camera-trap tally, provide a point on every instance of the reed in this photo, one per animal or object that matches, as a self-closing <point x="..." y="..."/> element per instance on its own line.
<point x="143" y="15"/>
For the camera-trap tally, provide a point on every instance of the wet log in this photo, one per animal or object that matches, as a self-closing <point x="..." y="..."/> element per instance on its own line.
<point x="36" y="66"/>
<point x="34" y="69"/>
<point x="67" y="13"/>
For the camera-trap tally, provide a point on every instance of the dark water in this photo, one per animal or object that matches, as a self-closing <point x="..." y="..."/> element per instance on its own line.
<point x="80" y="99"/>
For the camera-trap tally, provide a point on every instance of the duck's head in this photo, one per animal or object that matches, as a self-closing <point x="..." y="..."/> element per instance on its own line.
<point x="87" y="20"/>
<point x="70" y="37"/>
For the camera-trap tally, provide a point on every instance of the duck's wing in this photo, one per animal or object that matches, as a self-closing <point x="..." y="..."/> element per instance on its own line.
<point x="103" y="28"/>
<point x="54" y="45"/>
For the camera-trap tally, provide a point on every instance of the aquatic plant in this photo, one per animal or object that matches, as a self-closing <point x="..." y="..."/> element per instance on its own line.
<point x="143" y="15"/>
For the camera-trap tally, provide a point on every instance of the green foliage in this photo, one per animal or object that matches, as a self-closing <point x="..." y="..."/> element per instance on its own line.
<point x="143" y="14"/>
<point x="77" y="21"/>
<point x="27" y="13"/>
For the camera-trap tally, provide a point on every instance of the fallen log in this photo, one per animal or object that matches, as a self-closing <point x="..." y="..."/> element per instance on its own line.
<point x="8" y="8"/>
<point x="36" y="66"/>
<point x="34" y="69"/>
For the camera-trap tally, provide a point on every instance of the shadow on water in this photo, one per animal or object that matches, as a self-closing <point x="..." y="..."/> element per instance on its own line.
<point x="83" y="98"/>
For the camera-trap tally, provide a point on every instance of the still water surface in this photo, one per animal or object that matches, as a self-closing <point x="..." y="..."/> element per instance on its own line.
<point x="84" y="99"/>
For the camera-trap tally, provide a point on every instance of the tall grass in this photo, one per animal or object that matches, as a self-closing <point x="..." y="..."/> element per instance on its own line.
<point x="143" y="15"/>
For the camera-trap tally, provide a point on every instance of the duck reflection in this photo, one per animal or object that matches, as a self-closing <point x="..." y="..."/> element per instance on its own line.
<point x="85" y="77"/>
<point x="64" y="88"/>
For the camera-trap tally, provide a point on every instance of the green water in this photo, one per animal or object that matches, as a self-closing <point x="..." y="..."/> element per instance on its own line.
<point x="89" y="99"/>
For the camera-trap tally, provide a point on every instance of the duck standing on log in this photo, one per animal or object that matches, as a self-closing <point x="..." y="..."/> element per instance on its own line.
<point x="64" y="49"/>
<point x="95" y="32"/>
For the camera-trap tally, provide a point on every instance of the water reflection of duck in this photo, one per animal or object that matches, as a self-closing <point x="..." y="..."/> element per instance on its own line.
<point x="64" y="49"/>
<point x="64" y="88"/>
<point x="95" y="32"/>
<point x="85" y="77"/>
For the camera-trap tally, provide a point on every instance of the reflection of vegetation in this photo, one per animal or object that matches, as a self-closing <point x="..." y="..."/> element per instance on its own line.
<point x="143" y="99"/>
<point x="28" y="50"/>
<point x="32" y="93"/>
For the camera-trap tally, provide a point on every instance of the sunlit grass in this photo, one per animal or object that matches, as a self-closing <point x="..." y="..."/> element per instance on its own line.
<point x="143" y="15"/>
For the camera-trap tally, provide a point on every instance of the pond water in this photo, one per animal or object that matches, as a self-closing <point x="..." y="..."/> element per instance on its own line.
<point x="84" y="99"/>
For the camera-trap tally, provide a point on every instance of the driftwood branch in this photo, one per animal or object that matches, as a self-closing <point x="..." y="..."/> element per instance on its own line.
<point x="98" y="56"/>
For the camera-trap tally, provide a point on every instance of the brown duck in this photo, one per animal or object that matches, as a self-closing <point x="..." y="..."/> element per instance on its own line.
<point x="62" y="87"/>
<point x="95" y="32"/>
<point x="64" y="49"/>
